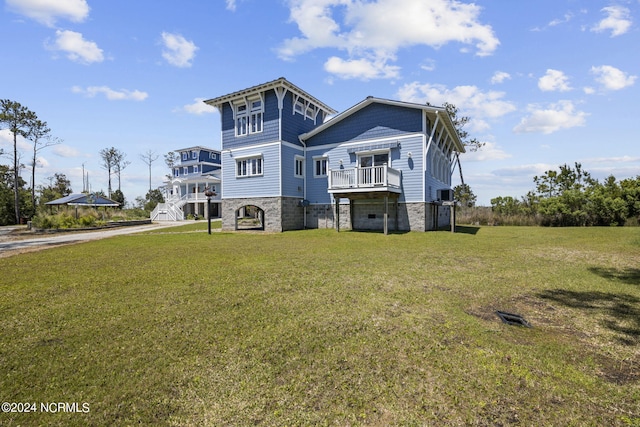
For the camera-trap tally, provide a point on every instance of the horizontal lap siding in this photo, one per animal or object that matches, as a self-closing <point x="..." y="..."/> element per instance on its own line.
<point x="317" y="187"/>
<point x="291" y="186"/>
<point x="372" y="122"/>
<point x="270" y="129"/>
<point x="255" y="186"/>
<point x="294" y="124"/>
<point x="411" y="168"/>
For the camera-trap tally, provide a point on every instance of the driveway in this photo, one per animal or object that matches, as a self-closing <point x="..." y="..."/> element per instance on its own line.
<point x="12" y="244"/>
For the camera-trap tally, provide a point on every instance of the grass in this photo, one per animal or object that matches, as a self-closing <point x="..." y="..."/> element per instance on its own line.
<point x="323" y="328"/>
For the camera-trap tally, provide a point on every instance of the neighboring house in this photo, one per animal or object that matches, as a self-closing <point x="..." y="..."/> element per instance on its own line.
<point x="184" y="194"/>
<point x="380" y="165"/>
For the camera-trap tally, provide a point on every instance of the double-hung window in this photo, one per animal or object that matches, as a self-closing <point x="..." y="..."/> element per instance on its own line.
<point x="249" y="166"/>
<point x="256" y="116"/>
<point x="185" y="156"/>
<point x="249" y="116"/>
<point x="185" y="171"/>
<point x="320" y="165"/>
<point x="195" y="168"/>
<point x="194" y="155"/>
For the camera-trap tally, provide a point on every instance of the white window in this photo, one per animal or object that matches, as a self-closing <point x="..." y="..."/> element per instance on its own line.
<point x="185" y="156"/>
<point x="256" y="116"/>
<point x="185" y="171"/>
<point x="320" y="166"/>
<point x="249" y="166"/>
<point x="299" y="167"/>
<point x="176" y="172"/>
<point x="298" y="107"/>
<point x="194" y="154"/>
<point x="249" y="116"/>
<point x="241" y="120"/>
<point x="195" y="169"/>
<point x="213" y="156"/>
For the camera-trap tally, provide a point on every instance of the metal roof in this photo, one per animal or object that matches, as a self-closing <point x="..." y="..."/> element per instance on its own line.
<point x="83" y="199"/>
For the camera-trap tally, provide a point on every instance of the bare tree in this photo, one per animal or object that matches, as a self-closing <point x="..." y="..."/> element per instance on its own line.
<point x="148" y="158"/>
<point x="108" y="156"/>
<point x="120" y="164"/>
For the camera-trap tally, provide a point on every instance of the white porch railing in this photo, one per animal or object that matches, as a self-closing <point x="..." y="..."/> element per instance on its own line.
<point x="167" y="212"/>
<point x="376" y="177"/>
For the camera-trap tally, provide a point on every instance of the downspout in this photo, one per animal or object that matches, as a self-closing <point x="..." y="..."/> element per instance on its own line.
<point x="304" y="183"/>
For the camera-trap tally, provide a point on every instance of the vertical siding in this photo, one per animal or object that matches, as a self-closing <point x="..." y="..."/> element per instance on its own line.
<point x="266" y="185"/>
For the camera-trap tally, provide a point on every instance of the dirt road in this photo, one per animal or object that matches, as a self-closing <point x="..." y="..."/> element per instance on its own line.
<point x="12" y="242"/>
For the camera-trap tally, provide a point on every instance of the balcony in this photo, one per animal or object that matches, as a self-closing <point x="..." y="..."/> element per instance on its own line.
<point x="364" y="180"/>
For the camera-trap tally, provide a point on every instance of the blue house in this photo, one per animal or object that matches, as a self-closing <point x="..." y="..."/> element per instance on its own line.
<point x="199" y="168"/>
<point x="380" y="165"/>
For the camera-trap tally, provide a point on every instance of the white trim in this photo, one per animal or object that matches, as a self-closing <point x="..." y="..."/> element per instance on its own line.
<point x="362" y="142"/>
<point x="320" y="158"/>
<point x="297" y="158"/>
<point x="247" y="156"/>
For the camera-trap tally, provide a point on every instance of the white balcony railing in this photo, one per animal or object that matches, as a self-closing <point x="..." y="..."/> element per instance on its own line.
<point x="358" y="179"/>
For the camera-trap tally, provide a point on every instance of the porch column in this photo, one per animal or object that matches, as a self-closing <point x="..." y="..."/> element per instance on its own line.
<point x="386" y="214"/>
<point x="337" y="199"/>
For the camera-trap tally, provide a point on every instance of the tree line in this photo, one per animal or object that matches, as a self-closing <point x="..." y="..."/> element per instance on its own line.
<point x="567" y="196"/>
<point x="19" y="200"/>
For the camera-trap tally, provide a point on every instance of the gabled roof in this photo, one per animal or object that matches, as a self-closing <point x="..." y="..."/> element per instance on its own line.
<point x="197" y="147"/>
<point x="281" y="82"/>
<point x="83" y="199"/>
<point x="432" y="113"/>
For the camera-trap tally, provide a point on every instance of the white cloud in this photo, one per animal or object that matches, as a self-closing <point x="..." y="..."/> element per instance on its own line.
<point x="77" y="48"/>
<point x="65" y="151"/>
<point x="499" y="77"/>
<point x="490" y="151"/>
<point x="178" y="51"/>
<point x="110" y="94"/>
<point x="231" y="5"/>
<point x="199" y="107"/>
<point x="612" y="78"/>
<point x="47" y="12"/>
<point x="372" y="32"/>
<point x="558" y="116"/>
<point x="363" y="69"/>
<point x="469" y="99"/>
<point x="617" y="20"/>
<point x="554" y="80"/>
<point x="6" y="142"/>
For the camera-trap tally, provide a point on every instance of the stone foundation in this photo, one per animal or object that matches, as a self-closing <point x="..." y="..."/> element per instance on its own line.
<point x="278" y="213"/>
<point x="285" y="213"/>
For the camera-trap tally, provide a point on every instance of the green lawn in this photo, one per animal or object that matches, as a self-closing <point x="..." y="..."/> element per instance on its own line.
<point x="324" y="328"/>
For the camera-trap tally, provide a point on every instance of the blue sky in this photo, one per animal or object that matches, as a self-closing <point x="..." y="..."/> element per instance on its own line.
<point x="545" y="82"/>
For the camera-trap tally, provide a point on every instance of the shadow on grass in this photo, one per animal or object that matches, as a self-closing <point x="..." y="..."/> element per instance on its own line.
<point x="630" y="276"/>
<point x="466" y="229"/>
<point x="620" y="312"/>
